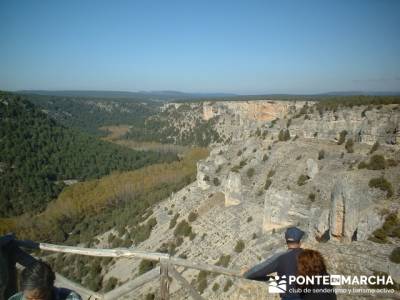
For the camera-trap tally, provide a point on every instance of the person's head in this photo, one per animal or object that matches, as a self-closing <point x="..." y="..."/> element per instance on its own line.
<point x="37" y="281"/>
<point x="293" y="236"/>
<point x="310" y="263"/>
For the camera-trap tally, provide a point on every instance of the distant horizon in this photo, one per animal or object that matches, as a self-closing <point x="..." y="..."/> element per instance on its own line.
<point x="242" y="47"/>
<point x="222" y="93"/>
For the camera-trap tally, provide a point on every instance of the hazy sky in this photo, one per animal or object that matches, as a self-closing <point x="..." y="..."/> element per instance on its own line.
<point x="201" y="46"/>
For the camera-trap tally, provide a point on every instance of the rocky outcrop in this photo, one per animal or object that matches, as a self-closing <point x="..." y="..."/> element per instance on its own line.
<point x="233" y="189"/>
<point x="312" y="168"/>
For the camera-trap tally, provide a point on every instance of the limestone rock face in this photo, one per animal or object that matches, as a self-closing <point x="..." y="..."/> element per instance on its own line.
<point x="350" y="205"/>
<point x="203" y="178"/>
<point x="233" y="189"/>
<point x="320" y="224"/>
<point x="282" y="208"/>
<point x="312" y="168"/>
<point x="368" y="224"/>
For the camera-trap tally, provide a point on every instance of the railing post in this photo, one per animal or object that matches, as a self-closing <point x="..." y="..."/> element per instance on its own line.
<point x="164" y="279"/>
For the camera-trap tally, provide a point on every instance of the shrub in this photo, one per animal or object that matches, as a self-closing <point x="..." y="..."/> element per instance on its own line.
<point x="111" y="283"/>
<point x="302" y="180"/>
<point x="239" y="153"/>
<point x="183" y="229"/>
<point x="349" y="146"/>
<point x="267" y="184"/>
<point x="215" y="287"/>
<point x="150" y="296"/>
<point x="311" y="197"/>
<point x="271" y="173"/>
<point x="216" y="181"/>
<point x="395" y="255"/>
<point x="379" y="236"/>
<point x="239" y="246"/>
<point x="193" y="216"/>
<point x="265" y="157"/>
<point x="376" y="162"/>
<point x="382" y="184"/>
<point x="206" y="178"/>
<point x="250" y="172"/>
<point x="342" y="137"/>
<point x="284" y="135"/>
<point x="202" y="281"/>
<point x="321" y="154"/>
<point x="223" y="260"/>
<point x="391" y="163"/>
<point x="374" y="147"/>
<point x="145" y="266"/>
<point x="172" y="223"/>
<point x="228" y="285"/>
<point x="249" y="219"/>
<point x="362" y="165"/>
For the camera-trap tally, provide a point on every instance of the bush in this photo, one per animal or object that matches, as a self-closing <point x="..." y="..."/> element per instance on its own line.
<point x="150" y="296"/>
<point x="202" y="281"/>
<point x="265" y="157"/>
<point x="183" y="229"/>
<point x="382" y="184"/>
<point x="193" y="216"/>
<point x="395" y="255"/>
<point x="216" y="181"/>
<point x="377" y="162"/>
<point x="215" y="287"/>
<point x="321" y="154"/>
<point x="311" y="197"/>
<point x="172" y="223"/>
<point x="349" y="146"/>
<point x="302" y="180"/>
<point x="271" y="173"/>
<point x="342" y="137"/>
<point x="228" y="285"/>
<point x="249" y="219"/>
<point x="112" y="282"/>
<point x="223" y="261"/>
<point x="374" y="147"/>
<point x="267" y="184"/>
<point x="145" y="266"/>
<point x="239" y="246"/>
<point x="250" y="172"/>
<point x="284" y="135"/>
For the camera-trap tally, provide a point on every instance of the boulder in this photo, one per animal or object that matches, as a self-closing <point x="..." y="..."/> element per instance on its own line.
<point x="312" y="168"/>
<point x="233" y="189"/>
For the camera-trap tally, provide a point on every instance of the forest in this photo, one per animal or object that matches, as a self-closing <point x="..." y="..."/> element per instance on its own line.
<point x="88" y="114"/>
<point x="37" y="154"/>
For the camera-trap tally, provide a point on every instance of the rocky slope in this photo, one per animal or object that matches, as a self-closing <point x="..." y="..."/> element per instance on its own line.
<point x="284" y="164"/>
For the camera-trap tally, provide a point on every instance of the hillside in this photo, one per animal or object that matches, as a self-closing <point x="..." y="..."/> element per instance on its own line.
<point x="38" y="157"/>
<point x="334" y="171"/>
<point x="90" y="113"/>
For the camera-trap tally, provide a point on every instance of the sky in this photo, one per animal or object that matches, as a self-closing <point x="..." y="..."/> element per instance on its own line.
<point x="244" y="47"/>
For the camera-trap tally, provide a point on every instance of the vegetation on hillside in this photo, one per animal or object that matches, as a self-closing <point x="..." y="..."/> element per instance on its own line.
<point x="167" y="127"/>
<point x="37" y="155"/>
<point x="88" y="114"/>
<point x="122" y="201"/>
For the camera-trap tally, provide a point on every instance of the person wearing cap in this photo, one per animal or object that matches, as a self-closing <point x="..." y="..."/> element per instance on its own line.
<point x="10" y="254"/>
<point x="284" y="264"/>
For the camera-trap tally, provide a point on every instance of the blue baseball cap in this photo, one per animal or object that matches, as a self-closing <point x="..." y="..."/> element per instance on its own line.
<point x="293" y="234"/>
